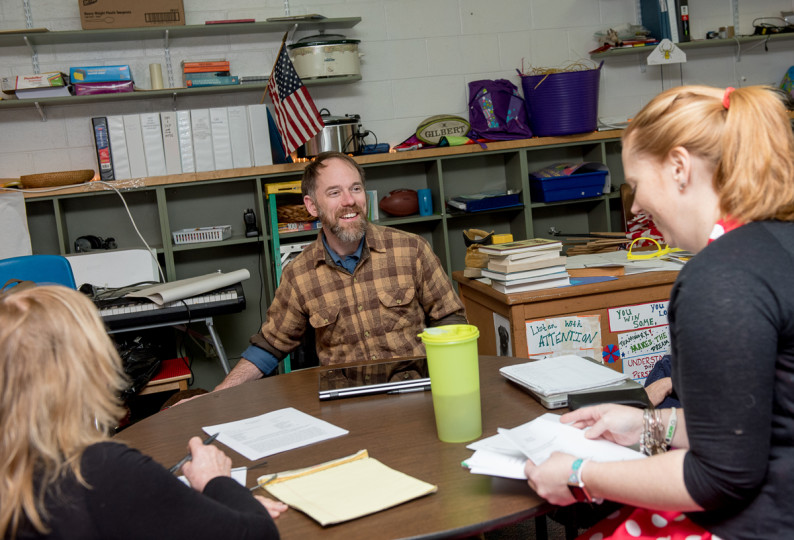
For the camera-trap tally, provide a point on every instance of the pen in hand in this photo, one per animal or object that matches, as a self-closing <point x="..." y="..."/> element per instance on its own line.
<point x="188" y="457"/>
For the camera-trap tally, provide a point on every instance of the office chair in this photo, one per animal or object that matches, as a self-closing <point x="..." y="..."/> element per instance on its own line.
<point x="41" y="269"/>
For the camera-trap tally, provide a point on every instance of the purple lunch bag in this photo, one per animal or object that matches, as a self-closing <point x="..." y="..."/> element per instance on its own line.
<point x="497" y="111"/>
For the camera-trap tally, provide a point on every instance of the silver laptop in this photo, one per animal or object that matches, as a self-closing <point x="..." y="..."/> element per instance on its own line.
<point x="392" y="377"/>
<point x="557" y="401"/>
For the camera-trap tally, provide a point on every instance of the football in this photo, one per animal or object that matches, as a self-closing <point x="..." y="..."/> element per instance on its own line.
<point x="400" y="202"/>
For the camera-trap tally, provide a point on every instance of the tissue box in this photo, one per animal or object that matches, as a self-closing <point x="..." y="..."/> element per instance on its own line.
<point x="90" y="74"/>
<point x="89" y="89"/>
<point x="35" y="80"/>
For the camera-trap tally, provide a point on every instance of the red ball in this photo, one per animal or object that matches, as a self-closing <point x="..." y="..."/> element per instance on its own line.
<point x="400" y="202"/>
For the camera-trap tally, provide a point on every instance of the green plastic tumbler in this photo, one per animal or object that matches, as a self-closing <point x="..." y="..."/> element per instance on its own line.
<point x="453" y="363"/>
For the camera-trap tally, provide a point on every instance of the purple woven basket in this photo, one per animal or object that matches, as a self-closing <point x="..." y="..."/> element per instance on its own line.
<point x="562" y="103"/>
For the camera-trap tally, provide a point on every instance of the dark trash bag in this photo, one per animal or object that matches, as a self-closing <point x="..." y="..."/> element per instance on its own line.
<point x="497" y="111"/>
<point x="140" y="361"/>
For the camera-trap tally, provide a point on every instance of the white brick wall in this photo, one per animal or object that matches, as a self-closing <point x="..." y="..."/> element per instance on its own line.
<point x="419" y="56"/>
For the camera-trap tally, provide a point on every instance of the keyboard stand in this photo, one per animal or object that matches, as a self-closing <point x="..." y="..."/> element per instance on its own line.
<point x="216" y="341"/>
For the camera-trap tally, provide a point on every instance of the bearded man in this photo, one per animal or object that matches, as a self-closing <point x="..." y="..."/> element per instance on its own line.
<point x="365" y="289"/>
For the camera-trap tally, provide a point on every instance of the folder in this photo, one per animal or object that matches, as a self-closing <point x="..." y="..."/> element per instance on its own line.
<point x="173" y="159"/>
<point x="185" y="132"/>
<point x="344" y="489"/>
<point x="202" y="140"/>
<point x="221" y="142"/>
<point x="135" y="151"/>
<point x="118" y="148"/>
<point x="238" y="135"/>
<point x="153" y="144"/>
<point x="260" y="135"/>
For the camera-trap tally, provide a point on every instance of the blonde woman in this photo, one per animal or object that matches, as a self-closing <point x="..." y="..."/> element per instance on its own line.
<point x="715" y="169"/>
<point x="62" y="475"/>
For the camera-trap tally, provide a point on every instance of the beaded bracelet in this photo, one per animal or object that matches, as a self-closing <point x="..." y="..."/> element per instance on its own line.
<point x="652" y="437"/>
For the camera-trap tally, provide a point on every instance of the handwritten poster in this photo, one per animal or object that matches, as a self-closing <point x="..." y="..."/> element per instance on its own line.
<point x="641" y="350"/>
<point x="564" y="335"/>
<point x="623" y="319"/>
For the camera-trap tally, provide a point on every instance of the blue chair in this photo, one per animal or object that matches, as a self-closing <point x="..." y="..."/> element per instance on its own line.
<point x="41" y="269"/>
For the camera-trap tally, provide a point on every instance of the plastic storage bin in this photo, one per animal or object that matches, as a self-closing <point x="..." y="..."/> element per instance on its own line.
<point x="565" y="188"/>
<point x="202" y="234"/>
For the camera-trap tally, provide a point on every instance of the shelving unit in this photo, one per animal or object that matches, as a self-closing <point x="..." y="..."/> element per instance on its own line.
<point x="160" y="205"/>
<point x="164" y="204"/>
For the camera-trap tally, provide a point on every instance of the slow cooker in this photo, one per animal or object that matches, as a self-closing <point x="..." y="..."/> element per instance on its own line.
<point x="340" y="134"/>
<point x="325" y="55"/>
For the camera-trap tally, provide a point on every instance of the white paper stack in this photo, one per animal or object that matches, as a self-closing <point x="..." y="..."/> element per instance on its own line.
<point x="505" y="453"/>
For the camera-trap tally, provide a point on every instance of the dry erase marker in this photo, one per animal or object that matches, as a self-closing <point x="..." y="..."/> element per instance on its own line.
<point x="188" y="457"/>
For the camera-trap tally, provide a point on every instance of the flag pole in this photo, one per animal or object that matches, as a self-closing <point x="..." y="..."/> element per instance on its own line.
<point x="273" y="69"/>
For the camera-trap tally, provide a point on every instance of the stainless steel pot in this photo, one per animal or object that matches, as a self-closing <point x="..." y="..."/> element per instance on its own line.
<point x="340" y="134"/>
<point x="325" y="55"/>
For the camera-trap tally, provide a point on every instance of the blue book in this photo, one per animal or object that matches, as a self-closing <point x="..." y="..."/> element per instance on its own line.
<point x="655" y="18"/>
<point x="212" y="81"/>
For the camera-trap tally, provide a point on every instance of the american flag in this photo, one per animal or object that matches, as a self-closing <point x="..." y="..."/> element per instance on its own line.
<point x="297" y="118"/>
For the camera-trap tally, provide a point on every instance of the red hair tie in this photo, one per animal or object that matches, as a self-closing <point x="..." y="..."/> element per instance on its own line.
<point x="726" y="99"/>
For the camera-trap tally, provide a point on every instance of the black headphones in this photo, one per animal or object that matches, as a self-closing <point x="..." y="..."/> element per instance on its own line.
<point x="90" y="242"/>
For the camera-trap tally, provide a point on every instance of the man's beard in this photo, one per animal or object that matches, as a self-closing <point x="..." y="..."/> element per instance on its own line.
<point x="347" y="233"/>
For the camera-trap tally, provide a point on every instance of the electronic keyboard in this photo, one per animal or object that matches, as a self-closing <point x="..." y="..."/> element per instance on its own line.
<point x="125" y="312"/>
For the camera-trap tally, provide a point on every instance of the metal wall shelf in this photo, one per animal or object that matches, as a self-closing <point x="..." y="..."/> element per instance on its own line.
<point x="42" y="36"/>
<point x="164" y="93"/>
<point x="36" y="37"/>
<point x="738" y="41"/>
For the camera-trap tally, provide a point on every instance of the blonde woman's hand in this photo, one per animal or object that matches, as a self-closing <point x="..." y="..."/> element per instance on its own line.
<point x="617" y="423"/>
<point x="274" y="508"/>
<point x="208" y="462"/>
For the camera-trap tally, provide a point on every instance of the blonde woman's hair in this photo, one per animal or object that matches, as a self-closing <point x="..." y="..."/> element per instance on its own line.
<point x="60" y="378"/>
<point x="747" y="136"/>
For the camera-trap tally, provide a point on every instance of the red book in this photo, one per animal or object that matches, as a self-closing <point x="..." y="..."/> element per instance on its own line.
<point x="230" y="21"/>
<point x="207" y="70"/>
<point x="208" y="64"/>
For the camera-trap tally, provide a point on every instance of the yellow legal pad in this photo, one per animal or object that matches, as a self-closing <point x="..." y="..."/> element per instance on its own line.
<point x="344" y="489"/>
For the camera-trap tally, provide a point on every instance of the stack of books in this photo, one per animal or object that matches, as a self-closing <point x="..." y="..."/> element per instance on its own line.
<point x="525" y="265"/>
<point x="207" y="73"/>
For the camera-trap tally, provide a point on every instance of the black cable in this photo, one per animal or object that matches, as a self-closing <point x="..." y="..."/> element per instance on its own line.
<point x="181" y="343"/>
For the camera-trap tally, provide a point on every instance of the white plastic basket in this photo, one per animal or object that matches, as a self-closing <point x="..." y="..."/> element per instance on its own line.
<point x="202" y="234"/>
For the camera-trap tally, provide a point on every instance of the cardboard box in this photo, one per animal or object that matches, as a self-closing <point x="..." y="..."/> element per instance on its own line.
<point x="98" y="14"/>
<point x="90" y="74"/>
